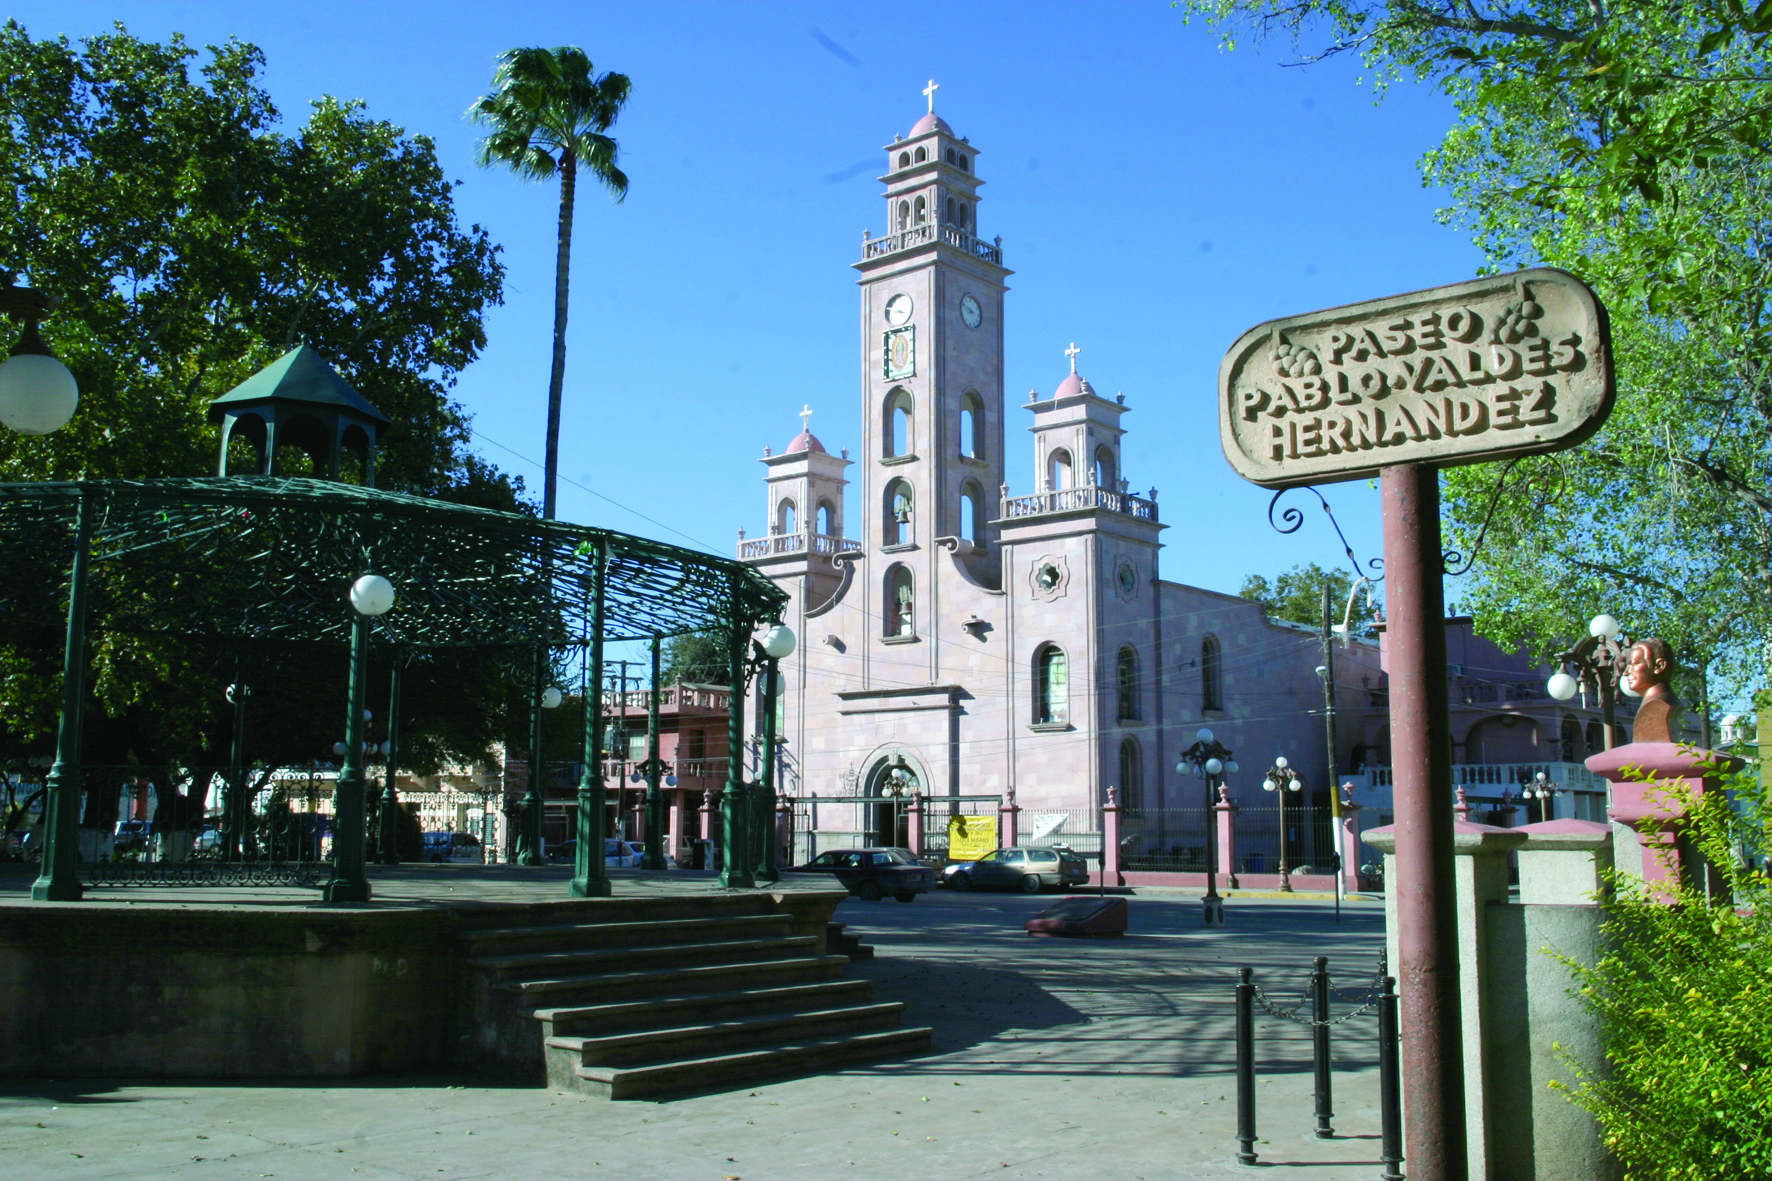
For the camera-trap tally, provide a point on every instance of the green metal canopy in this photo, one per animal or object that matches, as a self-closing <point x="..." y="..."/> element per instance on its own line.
<point x="300" y="375"/>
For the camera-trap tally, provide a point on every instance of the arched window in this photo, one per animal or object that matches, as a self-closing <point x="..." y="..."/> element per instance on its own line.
<point x="904" y="214"/>
<point x="963" y="164"/>
<point x="784" y="516"/>
<point x="1104" y="472"/>
<point x="904" y="159"/>
<point x="1211" y="674"/>
<point x="972" y="426"/>
<point x="901" y="603"/>
<point x="1131" y="775"/>
<point x="920" y="211"/>
<point x="896" y="430"/>
<point x="1126" y="683"/>
<point x="1571" y="740"/>
<point x="1051" y="685"/>
<point x="965" y="216"/>
<point x="1058" y="471"/>
<point x="897" y="518"/>
<point x="972" y="512"/>
<point x="827" y="519"/>
<point x="953" y="208"/>
<point x="1596" y="738"/>
<point x="922" y="155"/>
<point x="950" y="155"/>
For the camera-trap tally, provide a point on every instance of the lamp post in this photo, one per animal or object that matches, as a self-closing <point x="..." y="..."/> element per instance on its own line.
<point x="1282" y="779"/>
<point x="654" y="770"/>
<point x="547" y="697"/>
<point x="1211" y="760"/>
<point x="777" y="644"/>
<point x="1599" y="661"/>
<point x="895" y="786"/>
<point x="371" y="595"/>
<point x="1540" y="788"/>
<point x="37" y="393"/>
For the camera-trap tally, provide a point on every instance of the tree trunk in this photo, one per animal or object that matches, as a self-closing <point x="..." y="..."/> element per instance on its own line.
<point x="557" y="378"/>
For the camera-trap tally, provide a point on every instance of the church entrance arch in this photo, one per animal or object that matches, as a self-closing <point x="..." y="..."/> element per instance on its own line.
<point x="891" y="780"/>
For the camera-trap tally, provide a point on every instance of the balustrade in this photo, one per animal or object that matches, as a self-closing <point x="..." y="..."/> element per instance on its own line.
<point x="794" y="543"/>
<point x="1073" y="499"/>
<point x="922" y="234"/>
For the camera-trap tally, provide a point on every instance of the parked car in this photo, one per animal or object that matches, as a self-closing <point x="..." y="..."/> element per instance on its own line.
<point x="1024" y="869"/>
<point x="453" y="846"/>
<point x="617" y="853"/>
<point x="133" y="834"/>
<point x="872" y="874"/>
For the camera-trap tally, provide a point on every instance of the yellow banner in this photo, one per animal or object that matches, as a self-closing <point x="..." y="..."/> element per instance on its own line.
<point x="971" y="837"/>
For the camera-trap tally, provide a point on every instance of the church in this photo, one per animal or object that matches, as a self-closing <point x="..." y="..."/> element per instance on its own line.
<point x="982" y="648"/>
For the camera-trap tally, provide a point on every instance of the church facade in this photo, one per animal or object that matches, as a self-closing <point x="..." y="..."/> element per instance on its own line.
<point x="975" y="645"/>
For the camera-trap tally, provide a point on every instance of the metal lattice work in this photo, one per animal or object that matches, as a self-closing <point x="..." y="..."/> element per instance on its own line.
<point x="267" y="558"/>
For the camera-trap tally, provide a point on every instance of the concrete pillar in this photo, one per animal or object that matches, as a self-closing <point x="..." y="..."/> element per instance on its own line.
<point x="913" y="823"/>
<point x="1350" y="845"/>
<point x="1642" y="810"/>
<point x="1480" y="877"/>
<point x="1224" y="816"/>
<point x="708" y="812"/>
<point x="1008" y="824"/>
<point x="674" y="825"/>
<point x="1110" y="841"/>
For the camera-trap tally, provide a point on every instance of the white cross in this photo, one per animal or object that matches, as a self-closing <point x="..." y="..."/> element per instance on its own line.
<point x="806" y="417"/>
<point x="929" y="92"/>
<point x="1072" y="354"/>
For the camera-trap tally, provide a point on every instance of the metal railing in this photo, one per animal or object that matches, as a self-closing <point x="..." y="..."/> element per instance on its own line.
<point x="1074" y="499"/>
<point x="795" y="543"/>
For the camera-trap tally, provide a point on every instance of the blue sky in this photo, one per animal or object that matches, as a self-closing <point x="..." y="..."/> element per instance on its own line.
<point x="1155" y="196"/>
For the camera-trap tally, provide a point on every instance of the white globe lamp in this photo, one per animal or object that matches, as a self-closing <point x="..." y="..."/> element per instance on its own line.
<point x="779" y="642"/>
<point x="372" y="595"/>
<point x="37" y="394"/>
<point x="1562" y="686"/>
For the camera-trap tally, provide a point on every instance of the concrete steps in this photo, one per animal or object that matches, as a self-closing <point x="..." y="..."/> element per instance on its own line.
<point x="647" y="997"/>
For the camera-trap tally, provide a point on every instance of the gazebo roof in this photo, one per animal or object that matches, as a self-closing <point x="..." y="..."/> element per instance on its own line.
<point x="301" y="375"/>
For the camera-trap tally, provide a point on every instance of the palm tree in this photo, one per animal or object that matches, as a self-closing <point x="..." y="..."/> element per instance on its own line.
<point x="549" y="114"/>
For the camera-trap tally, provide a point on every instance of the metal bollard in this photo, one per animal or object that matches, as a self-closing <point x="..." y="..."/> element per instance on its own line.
<point x="1245" y="1067"/>
<point x="1320" y="1047"/>
<point x="1390" y="1099"/>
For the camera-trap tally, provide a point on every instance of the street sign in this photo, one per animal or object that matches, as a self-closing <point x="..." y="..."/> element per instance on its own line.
<point x="1514" y="364"/>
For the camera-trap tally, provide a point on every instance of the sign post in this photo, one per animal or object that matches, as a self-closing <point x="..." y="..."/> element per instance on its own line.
<point x="1510" y="365"/>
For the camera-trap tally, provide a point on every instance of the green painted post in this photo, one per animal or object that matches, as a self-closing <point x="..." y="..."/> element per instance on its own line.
<point x="60" y="871"/>
<point x="655" y="808"/>
<point x="234" y="802"/>
<point x="764" y="816"/>
<point x="737" y="860"/>
<point x="388" y="841"/>
<point x="529" y="829"/>
<point x="590" y="878"/>
<point x="350" y="877"/>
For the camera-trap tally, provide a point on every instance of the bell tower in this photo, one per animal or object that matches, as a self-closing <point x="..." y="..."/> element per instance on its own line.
<point x="932" y="377"/>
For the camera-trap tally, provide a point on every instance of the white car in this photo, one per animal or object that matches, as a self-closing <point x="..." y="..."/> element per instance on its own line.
<point x="620" y="854"/>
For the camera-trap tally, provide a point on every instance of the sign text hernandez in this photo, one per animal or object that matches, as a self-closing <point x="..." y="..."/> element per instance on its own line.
<point x="1509" y="365"/>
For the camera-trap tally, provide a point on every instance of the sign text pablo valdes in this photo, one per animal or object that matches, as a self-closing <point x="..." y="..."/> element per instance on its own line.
<point x="1501" y="366"/>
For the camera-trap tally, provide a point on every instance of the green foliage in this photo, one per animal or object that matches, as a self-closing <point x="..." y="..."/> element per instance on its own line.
<point x="191" y="240"/>
<point x="1297" y="594"/>
<point x="1624" y="143"/>
<point x="697" y="658"/>
<point x="1684" y="992"/>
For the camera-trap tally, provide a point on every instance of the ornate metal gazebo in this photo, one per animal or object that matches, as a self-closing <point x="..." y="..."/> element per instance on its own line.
<point x="265" y="560"/>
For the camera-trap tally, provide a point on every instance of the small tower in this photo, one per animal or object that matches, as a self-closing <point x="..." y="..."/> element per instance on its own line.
<point x="1077" y="436"/>
<point x="299" y="401"/>
<point x="805" y="488"/>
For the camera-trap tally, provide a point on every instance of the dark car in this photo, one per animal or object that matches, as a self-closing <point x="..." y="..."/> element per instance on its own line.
<point x="872" y="874"/>
<point x="1028" y="870"/>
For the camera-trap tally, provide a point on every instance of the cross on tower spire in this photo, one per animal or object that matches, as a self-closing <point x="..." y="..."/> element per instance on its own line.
<point x="929" y="92"/>
<point x="1072" y="354"/>
<point x="806" y="417"/>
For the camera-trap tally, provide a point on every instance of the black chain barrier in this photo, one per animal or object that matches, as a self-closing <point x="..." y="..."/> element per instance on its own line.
<point x="1313" y="1011"/>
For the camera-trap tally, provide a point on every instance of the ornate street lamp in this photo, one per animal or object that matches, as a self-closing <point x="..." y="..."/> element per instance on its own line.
<point x="897" y="784"/>
<point x="777" y="644"/>
<point x="1282" y="778"/>
<point x="1210" y="760"/>
<point x="1540" y="788"/>
<point x="1598" y="661"/>
<point x="529" y="827"/>
<point x="371" y="595"/>
<point x="37" y="393"/>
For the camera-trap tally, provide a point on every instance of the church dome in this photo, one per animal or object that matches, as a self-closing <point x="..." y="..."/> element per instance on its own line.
<point x="805" y="441"/>
<point x="1072" y="385"/>
<point x="930" y="122"/>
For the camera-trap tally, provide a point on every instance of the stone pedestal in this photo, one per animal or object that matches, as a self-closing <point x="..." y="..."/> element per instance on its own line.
<point x="1008" y="821"/>
<point x="1642" y="811"/>
<point x="1110" y="840"/>
<point x="913" y="823"/>
<point x="1350" y="845"/>
<point x="1224" y="815"/>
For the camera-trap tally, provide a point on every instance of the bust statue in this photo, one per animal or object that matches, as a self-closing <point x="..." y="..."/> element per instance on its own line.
<point x="1649" y="666"/>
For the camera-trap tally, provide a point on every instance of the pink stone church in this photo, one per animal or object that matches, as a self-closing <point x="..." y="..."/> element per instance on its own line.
<point x="982" y="648"/>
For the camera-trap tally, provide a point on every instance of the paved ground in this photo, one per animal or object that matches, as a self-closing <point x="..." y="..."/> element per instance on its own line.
<point x="1065" y="1059"/>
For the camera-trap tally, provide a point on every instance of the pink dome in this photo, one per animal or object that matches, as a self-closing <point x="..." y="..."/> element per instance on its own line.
<point x="805" y="441"/>
<point x="1072" y="384"/>
<point x="930" y="122"/>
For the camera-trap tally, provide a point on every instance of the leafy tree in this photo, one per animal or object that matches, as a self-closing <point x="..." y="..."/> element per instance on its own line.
<point x="1297" y="594"/>
<point x="192" y="240"/>
<point x="549" y="115"/>
<point x="695" y="657"/>
<point x="1626" y="144"/>
<point x="1686" y="1089"/>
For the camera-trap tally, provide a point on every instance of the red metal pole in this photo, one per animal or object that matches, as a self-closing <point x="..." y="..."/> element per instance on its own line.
<point x="1421" y="762"/>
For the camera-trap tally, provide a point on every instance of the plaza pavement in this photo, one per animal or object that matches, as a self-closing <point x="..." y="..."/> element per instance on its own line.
<point x="1072" y="1059"/>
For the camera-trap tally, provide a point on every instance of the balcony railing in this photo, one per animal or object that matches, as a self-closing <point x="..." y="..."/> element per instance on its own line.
<point x="684" y="696"/>
<point x="622" y="770"/>
<point x="1072" y="499"/>
<point x="904" y="239"/>
<point x="794" y="543"/>
<point x="1566" y="776"/>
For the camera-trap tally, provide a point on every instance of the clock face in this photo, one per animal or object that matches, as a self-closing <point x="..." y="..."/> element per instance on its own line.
<point x="898" y="310"/>
<point x="970" y="312"/>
